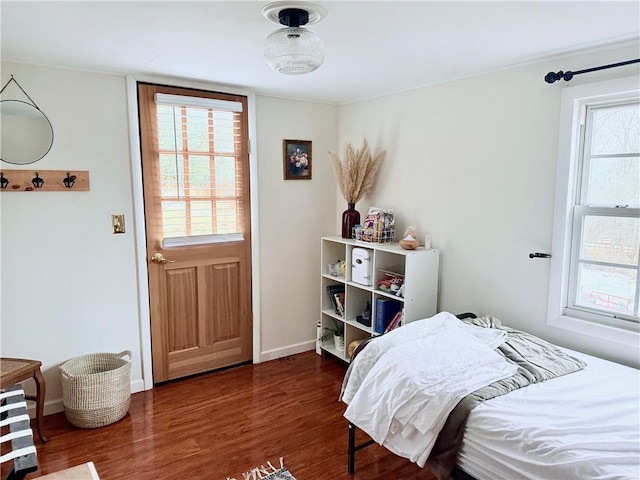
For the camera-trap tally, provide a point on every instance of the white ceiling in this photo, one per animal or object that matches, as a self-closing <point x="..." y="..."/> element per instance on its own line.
<point x="373" y="47"/>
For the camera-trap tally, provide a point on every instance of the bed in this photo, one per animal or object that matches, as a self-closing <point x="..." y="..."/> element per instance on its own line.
<point x="445" y="394"/>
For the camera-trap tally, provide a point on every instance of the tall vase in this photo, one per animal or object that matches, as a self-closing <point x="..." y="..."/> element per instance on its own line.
<point x="350" y="218"/>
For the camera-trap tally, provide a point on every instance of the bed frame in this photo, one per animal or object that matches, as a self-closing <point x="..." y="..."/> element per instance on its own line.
<point x="352" y="448"/>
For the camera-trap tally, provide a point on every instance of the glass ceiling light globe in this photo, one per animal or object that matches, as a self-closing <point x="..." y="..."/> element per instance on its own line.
<point x="294" y="50"/>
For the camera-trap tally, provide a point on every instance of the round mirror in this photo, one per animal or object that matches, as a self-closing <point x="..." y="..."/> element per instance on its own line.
<point x="26" y="134"/>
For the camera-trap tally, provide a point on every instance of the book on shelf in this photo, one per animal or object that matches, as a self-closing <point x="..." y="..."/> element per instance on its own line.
<point x="339" y="297"/>
<point x="336" y="296"/>
<point x="396" y="322"/>
<point x="386" y="310"/>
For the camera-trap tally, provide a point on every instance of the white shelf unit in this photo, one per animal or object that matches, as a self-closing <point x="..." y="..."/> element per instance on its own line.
<point x="420" y="270"/>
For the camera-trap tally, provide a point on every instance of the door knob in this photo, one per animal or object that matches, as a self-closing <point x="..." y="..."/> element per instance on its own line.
<point x="159" y="258"/>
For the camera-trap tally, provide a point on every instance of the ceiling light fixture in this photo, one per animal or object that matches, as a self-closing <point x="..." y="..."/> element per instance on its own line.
<point x="294" y="50"/>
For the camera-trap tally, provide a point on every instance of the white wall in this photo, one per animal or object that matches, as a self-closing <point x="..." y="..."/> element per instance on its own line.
<point x="473" y="163"/>
<point x="68" y="283"/>
<point x="294" y="214"/>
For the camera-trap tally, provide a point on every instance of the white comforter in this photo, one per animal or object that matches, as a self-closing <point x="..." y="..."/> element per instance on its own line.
<point x="402" y="398"/>
<point x="580" y="426"/>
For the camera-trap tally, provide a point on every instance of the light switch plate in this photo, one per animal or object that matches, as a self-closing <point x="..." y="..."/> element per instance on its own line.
<point x="117" y="222"/>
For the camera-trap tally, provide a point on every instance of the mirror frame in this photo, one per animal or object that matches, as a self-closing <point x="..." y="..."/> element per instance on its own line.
<point x="48" y="149"/>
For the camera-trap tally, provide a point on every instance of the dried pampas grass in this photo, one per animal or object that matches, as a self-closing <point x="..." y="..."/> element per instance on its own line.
<point x="356" y="172"/>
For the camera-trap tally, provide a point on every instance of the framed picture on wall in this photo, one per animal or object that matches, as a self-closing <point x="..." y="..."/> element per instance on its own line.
<point x="297" y="159"/>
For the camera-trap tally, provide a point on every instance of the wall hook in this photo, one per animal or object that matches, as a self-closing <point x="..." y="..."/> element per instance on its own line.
<point x="69" y="180"/>
<point x="37" y="181"/>
<point x="44" y="180"/>
<point x="539" y="255"/>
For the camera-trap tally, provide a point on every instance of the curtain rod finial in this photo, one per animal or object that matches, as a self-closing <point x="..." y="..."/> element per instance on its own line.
<point x="553" y="77"/>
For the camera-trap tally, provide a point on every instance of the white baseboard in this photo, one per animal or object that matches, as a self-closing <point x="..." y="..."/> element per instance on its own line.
<point x="50" y="407"/>
<point x="137" y="386"/>
<point x="286" y="351"/>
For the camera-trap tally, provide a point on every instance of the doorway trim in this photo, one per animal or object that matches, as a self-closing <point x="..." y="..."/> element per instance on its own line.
<point x="144" y="318"/>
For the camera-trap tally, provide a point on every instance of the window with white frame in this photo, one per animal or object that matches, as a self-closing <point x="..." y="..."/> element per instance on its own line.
<point x="595" y="277"/>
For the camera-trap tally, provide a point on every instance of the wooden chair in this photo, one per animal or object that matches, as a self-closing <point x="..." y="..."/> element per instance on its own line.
<point x="17" y="453"/>
<point x="16" y="370"/>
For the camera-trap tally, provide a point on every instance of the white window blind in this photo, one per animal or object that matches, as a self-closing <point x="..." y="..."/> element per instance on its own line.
<point x="201" y="168"/>
<point x="173" y="242"/>
<point x="185" y="101"/>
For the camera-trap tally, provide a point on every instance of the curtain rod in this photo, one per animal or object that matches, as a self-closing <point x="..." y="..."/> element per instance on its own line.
<point x="566" y="76"/>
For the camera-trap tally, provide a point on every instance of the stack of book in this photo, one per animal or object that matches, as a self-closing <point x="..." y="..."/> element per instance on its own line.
<point x="386" y="310"/>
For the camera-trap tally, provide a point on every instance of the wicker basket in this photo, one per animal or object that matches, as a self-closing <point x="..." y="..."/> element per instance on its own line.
<point x="96" y="388"/>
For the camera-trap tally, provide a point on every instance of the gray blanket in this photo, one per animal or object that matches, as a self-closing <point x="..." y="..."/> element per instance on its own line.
<point x="537" y="361"/>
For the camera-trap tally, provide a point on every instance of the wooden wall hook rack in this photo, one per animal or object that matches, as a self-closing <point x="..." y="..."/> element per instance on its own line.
<point x="44" y="181"/>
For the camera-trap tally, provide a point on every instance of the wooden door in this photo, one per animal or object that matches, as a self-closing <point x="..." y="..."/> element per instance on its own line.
<point x="196" y="193"/>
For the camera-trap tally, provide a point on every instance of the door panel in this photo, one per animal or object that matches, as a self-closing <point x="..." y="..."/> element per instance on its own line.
<point x="222" y="302"/>
<point x="182" y="304"/>
<point x="200" y="295"/>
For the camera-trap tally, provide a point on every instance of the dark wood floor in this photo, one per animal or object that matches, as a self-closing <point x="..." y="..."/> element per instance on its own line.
<point x="222" y="424"/>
